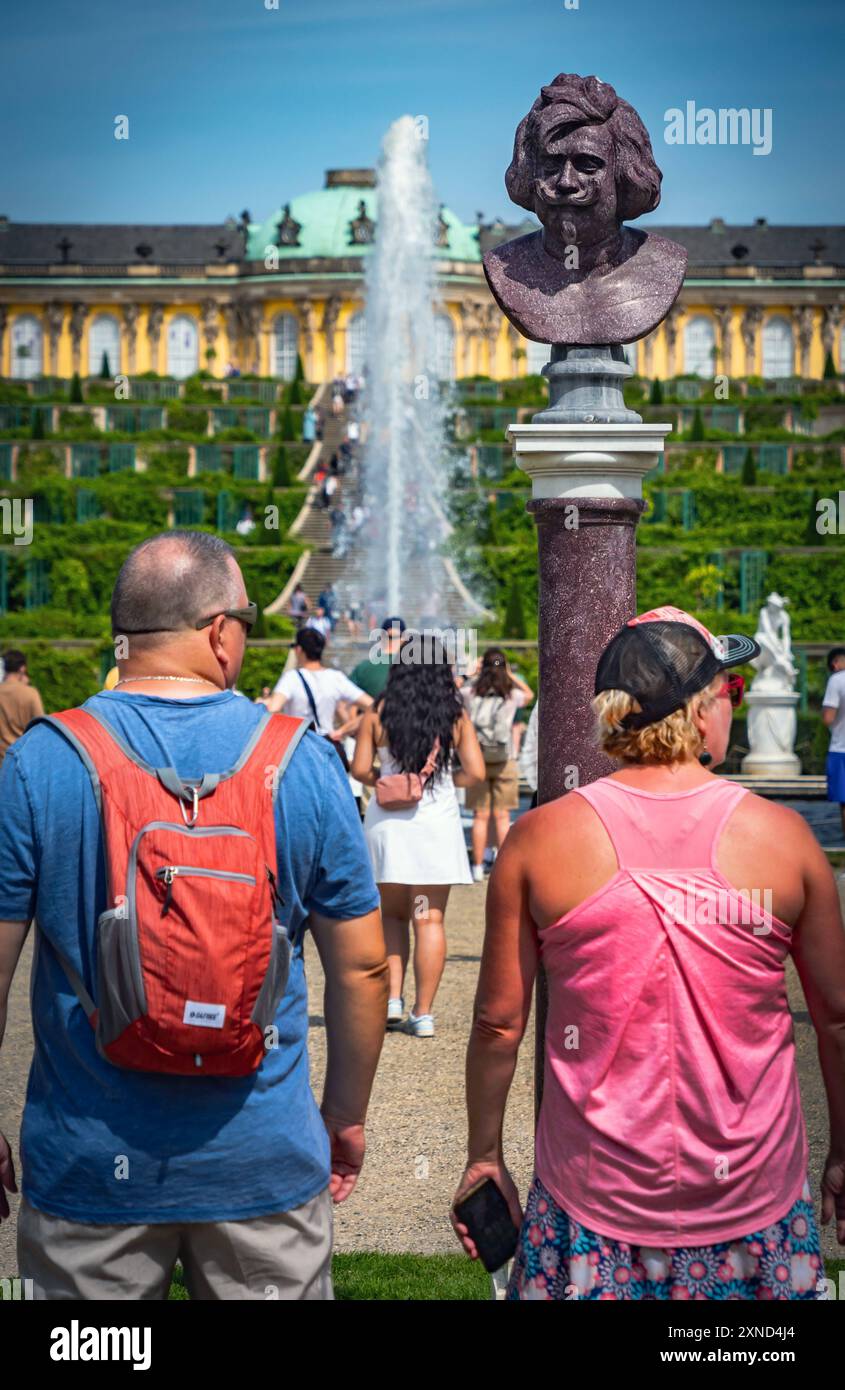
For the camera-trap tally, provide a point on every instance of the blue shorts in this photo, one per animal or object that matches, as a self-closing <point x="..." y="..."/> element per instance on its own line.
<point x="836" y="777"/>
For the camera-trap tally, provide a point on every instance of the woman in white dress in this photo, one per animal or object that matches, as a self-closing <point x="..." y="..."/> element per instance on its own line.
<point x="417" y="854"/>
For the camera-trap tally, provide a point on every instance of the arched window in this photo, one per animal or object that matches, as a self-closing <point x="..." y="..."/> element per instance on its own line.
<point x="104" y="341"/>
<point x="538" y="356"/>
<point x="285" y="346"/>
<point x="777" y="348"/>
<point x="182" y="347"/>
<point x="444" y="347"/>
<point x="27" y="346"/>
<point x="356" y="343"/>
<point x="699" y="344"/>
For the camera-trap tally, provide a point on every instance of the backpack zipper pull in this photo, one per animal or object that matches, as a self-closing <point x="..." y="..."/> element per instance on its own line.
<point x="273" y="886"/>
<point x="168" y="876"/>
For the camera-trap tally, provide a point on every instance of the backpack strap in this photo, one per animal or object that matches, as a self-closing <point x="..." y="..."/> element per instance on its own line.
<point x="102" y="748"/>
<point x="312" y="702"/>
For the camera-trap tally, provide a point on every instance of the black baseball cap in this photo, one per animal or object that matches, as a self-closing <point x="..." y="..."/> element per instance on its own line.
<point x="663" y="657"/>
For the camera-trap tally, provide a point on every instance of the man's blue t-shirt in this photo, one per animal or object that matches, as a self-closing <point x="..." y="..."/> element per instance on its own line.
<point x="102" y="1144"/>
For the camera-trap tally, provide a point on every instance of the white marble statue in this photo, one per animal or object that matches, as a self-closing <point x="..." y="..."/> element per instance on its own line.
<point x="774" y="666"/>
<point x="772" y="698"/>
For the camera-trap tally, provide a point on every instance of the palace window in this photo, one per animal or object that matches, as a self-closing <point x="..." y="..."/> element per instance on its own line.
<point x="27" y="346"/>
<point x="104" y="341"/>
<point x="699" y="345"/>
<point x="356" y="343"/>
<point x="538" y="355"/>
<point x="444" y="347"/>
<point x="777" y="348"/>
<point x="182" y="347"/>
<point x="285" y="346"/>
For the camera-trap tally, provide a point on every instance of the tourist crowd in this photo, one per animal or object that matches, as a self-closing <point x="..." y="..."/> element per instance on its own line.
<point x="172" y="843"/>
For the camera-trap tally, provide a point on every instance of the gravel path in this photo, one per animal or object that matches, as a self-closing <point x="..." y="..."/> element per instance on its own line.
<point x="416" y="1126"/>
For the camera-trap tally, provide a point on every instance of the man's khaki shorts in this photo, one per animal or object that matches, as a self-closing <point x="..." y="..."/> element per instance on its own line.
<point x="284" y="1256"/>
<point x="498" y="792"/>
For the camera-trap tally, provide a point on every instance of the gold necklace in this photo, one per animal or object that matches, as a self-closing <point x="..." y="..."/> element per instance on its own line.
<point x="189" y="680"/>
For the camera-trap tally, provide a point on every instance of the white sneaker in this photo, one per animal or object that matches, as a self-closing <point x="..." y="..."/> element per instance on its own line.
<point x="422" y="1027"/>
<point x="478" y="873"/>
<point x="395" y="1010"/>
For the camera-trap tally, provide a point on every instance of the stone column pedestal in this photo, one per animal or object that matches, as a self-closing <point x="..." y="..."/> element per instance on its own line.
<point x="772" y="725"/>
<point x="586" y="500"/>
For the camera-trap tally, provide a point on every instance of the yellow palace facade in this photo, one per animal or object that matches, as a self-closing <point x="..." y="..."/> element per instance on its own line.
<point x="762" y="300"/>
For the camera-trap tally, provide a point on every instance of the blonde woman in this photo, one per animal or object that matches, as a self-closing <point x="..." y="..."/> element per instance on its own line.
<point x="671" y="1153"/>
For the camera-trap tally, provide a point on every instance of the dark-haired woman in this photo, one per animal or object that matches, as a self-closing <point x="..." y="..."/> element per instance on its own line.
<point x="417" y="854"/>
<point x="492" y="698"/>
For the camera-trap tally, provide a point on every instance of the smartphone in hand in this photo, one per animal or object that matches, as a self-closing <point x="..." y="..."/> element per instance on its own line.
<point x="487" y="1217"/>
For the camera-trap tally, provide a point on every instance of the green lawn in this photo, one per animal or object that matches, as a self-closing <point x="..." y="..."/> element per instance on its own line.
<point x="371" y="1276"/>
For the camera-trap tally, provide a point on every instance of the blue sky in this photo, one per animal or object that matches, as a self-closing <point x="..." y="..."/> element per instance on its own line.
<point x="232" y="105"/>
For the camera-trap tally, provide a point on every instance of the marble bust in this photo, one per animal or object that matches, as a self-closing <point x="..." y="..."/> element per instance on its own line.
<point x="583" y="163"/>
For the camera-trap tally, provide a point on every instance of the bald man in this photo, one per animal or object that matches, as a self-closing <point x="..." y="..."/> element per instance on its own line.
<point x="124" y="1172"/>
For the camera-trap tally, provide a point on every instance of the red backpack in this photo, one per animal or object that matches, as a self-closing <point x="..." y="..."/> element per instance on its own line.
<point x="192" y="960"/>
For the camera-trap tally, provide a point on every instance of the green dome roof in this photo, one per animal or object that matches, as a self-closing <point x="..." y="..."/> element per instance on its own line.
<point x="325" y="219"/>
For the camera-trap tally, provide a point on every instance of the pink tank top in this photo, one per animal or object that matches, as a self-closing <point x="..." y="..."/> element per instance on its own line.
<point x="671" y="1113"/>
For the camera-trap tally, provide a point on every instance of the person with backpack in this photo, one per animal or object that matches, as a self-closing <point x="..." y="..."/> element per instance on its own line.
<point x="415" y="732"/>
<point x="174" y="842"/>
<point x="314" y="691"/>
<point x="492" y="698"/>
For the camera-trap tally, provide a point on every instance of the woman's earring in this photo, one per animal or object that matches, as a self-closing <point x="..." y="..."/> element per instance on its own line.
<point x="705" y="758"/>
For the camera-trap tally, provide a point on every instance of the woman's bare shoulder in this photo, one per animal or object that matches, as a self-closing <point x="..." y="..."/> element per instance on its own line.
<point x="561" y="823"/>
<point x="759" y="815"/>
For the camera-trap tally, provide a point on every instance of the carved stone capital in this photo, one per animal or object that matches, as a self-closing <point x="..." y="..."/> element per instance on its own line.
<point x="331" y="309"/>
<point x="831" y="324"/>
<point x="54" y="315"/>
<point x="131" y="313"/>
<point x="724" y="318"/>
<point x="155" y="318"/>
<point x="78" y="315"/>
<point x="490" y="319"/>
<point x="250" y="313"/>
<point x="210" y="320"/>
<point x="751" y="320"/>
<point x="803" y="319"/>
<point x="472" y="315"/>
<point x="670" y="327"/>
<point x="306" y="313"/>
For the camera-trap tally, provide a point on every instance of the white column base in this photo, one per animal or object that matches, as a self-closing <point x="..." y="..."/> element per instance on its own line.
<point x="587" y="460"/>
<point x="772" y="724"/>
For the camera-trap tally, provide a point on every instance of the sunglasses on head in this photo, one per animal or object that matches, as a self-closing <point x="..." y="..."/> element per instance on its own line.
<point x="246" y="615"/>
<point x="734" y="688"/>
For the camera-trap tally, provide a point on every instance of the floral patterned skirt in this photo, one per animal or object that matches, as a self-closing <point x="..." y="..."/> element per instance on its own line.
<point x="558" y="1258"/>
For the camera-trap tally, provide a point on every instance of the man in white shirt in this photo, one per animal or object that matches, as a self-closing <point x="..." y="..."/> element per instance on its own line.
<point x="833" y="714"/>
<point x="329" y="689"/>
